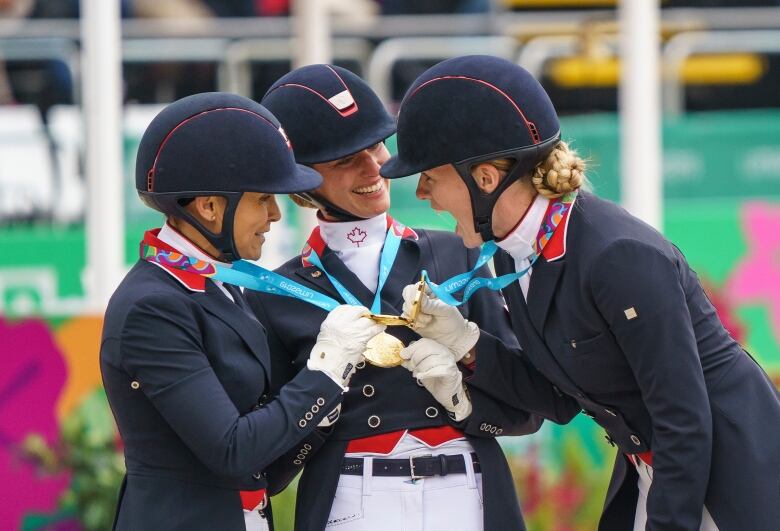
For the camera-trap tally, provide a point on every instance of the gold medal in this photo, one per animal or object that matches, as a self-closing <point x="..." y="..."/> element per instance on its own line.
<point x="400" y="320"/>
<point x="384" y="351"/>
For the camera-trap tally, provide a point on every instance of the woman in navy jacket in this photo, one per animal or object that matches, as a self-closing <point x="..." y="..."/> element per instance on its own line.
<point x="395" y="417"/>
<point x="607" y="309"/>
<point x="185" y="364"/>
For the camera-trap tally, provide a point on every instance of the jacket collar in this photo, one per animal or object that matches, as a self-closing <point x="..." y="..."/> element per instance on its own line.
<point x="317" y="243"/>
<point x="191" y="281"/>
<point x="556" y="247"/>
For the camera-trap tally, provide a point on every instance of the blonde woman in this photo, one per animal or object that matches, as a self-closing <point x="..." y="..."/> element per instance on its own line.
<point x="603" y="305"/>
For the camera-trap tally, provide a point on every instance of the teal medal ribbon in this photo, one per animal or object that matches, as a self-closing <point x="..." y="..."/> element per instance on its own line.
<point x="386" y="260"/>
<point x="555" y="213"/>
<point x="242" y="273"/>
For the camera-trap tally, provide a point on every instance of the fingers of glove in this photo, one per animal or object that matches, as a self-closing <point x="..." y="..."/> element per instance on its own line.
<point x="350" y="321"/>
<point x="423" y="363"/>
<point x="422" y="348"/>
<point x="436" y="365"/>
<point x="438" y="308"/>
<point x="409" y="293"/>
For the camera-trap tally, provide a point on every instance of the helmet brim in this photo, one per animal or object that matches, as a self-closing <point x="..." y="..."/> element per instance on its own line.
<point x="395" y="168"/>
<point x="305" y="179"/>
<point x="360" y="143"/>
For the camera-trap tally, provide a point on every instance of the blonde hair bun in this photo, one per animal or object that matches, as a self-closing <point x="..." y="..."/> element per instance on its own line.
<point x="561" y="172"/>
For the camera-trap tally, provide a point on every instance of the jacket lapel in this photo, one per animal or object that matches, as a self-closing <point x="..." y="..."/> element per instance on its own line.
<point x="544" y="279"/>
<point x="404" y="271"/>
<point x="531" y="341"/>
<point x="251" y="331"/>
<point x="337" y="269"/>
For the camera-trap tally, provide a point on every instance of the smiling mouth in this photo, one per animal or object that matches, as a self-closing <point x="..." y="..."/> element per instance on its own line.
<point x="365" y="190"/>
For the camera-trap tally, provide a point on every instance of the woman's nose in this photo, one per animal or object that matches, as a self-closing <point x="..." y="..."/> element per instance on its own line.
<point x="274" y="212"/>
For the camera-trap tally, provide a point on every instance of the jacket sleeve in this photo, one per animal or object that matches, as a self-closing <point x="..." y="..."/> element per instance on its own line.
<point x="162" y="349"/>
<point x="283" y="470"/>
<point x="502" y="372"/>
<point x="637" y="289"/>
<point x="492" y="418"/>
<point x="505" y="374"/>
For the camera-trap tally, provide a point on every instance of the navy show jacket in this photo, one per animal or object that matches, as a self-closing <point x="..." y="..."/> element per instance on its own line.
<point x="621" y="324"/>
<point x="187" y="376"/>
<point x="393" y="395"/>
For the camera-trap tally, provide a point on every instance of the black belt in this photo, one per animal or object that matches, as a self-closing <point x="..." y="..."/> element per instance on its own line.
<point x="414" y="467"/>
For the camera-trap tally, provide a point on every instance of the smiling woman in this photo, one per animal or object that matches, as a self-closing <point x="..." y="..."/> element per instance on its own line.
<point x="337" y="126"/>
<point x="185" y="365"/>
<point x="606" y="307"/>
<point x="253" y="217"/>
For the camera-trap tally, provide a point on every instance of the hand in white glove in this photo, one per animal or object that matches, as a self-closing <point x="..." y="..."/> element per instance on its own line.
<point x="441" y="322"/>
<point x="435" y="367"/>
<point x="342" y="341"/>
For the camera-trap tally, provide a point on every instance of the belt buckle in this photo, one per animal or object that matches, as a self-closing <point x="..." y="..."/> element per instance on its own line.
<point x="412" y="474"/>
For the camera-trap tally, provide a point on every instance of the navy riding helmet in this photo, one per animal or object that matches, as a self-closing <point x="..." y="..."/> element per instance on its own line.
<point x="221" y="144"/>
<point x="329" y="113"/>
<point x="473" y="109"/>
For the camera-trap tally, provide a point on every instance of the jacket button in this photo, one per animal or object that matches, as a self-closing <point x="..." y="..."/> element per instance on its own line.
<point x="302" y="423"/>
<point x="320" y="401"/>
<point x="257" y="476"/>
<point x="499" y="431"/>
<point x="374" y="421"/>
<point x="431" y="412"/>
<point x="308" y="415"/>
<point x="300" y="457"/>
<point x="360" y="365"/>
<point x="482" y="426"/>
<point x="493" y="429"/>
<point x="635" y="440"/>
<point x="303" y="451"/>
<point x="316" y="273"/>
<point x="368" y="390"/>
<point x="315" y="408"/>
<point x="296" y="462"/>
<point x="134" y="385"/>
<point x="307" y="446"/>
<point x="420" y="383"/>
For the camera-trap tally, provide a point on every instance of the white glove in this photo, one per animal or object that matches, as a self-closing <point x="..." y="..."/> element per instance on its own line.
<point x="435" y="367"/>
<point x="439" y="321"/>
<point x="342" y="341"/>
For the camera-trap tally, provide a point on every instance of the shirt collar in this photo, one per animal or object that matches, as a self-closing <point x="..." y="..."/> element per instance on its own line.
<point x="176" y="241"/>
<point x="520" y="242"/>
<point x="347" y="235"/>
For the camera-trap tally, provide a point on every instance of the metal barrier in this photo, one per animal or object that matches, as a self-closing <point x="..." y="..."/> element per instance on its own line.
<point x="682" y="46"/>
<point x="235" y="73"/>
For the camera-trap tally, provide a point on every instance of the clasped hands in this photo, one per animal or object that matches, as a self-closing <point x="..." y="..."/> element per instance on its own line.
<point x="447" y="338"/>
<point x="433" y="360"/>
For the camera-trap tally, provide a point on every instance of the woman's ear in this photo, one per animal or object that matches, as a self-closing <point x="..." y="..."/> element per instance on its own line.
<point x="209" y="210"/>
<point x="487" y="177"/>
